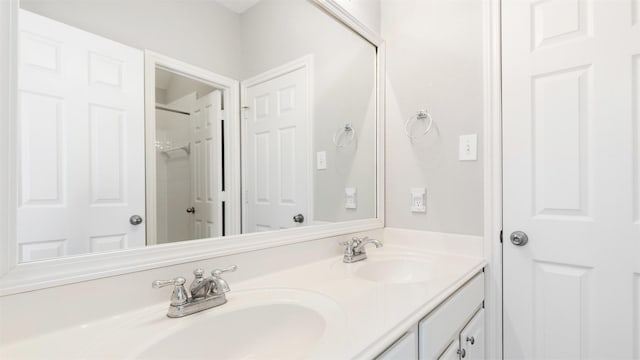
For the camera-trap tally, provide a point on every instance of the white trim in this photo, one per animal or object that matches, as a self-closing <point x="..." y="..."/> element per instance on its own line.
<point x="8" y="133"/>
<point x="43" y="274"/>
<point x="344" y="16"/>
<point x="149" y="149"/>
<point x="230" y="89"/>
<point x="381" y="82"/>
<point x="305" y="62"/>
<point x="492" y="123"/>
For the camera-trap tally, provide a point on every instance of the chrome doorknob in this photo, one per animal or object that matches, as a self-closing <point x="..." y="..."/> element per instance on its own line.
<point x="298" y="218"/>
<point x="519" y="238"/>
<point x="191" y="210"/>
<point x="135" y="220"/>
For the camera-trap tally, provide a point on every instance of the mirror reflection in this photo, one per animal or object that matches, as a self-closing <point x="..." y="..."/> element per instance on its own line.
<point x="150" y="122"/>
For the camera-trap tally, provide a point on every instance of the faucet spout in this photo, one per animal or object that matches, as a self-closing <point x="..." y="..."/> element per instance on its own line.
<point x="355" y="251"/>
<point x="365" y="242"/>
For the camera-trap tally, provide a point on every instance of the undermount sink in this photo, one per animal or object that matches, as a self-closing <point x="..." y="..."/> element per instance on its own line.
<point x="260" y="332"/>
<point x="254" y="324"/>
<point x="400" y="271"/>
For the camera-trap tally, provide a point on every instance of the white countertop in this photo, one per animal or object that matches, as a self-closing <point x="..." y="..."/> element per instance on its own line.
<point x="362" y="317"/>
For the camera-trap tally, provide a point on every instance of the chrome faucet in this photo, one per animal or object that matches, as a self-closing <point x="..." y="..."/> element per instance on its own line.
<point x="355" y="251"/>
<point x="204" y="293"/>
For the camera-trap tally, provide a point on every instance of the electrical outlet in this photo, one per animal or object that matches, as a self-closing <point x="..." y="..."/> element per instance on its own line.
<point x="350" y="199"/>
<point x="468" y="147"/>
<point x="418" y="200"/>
<point x="321" y="160"/>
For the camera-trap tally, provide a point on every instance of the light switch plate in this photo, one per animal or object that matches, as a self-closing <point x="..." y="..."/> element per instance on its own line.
<point x="468" y="147"/>
<point x="350" y="198"/>
<point x="321" y="160"/>
<point x="418" y="200"/>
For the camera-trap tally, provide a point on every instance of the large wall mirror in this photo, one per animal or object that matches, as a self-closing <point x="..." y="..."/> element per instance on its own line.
<point x="143" y="123"/>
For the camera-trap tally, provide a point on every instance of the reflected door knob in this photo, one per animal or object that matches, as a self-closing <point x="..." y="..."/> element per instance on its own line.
<point x="519" y="238"/>
<point x="135" y="220"/>
<point x="298" y="218"/>
<point x="191" y="210"/>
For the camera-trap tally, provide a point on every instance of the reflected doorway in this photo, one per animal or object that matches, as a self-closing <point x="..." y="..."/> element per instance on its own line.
<point x="187" y="133"/>
<point x="189" y="168"/>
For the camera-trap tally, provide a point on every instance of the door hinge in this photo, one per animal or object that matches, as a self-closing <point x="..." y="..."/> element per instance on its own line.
<point x="500" y="236"/>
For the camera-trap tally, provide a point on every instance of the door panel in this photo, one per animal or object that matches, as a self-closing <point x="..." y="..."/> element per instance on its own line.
<point x="570" y="140"/>
<point x="81" y="161"/>
<point x="276" y="152"/>
<point x="206" y="166"/>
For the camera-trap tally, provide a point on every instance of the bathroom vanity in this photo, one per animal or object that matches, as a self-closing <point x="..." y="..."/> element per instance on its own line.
<point x="402" y="302"/>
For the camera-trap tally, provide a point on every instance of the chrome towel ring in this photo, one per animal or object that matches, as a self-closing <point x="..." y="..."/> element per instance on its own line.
<point x="349" y="134"/>
<point x="422" y="115"/>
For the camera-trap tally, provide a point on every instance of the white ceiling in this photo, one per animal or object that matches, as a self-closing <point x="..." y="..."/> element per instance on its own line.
<point x="238" y="6"/>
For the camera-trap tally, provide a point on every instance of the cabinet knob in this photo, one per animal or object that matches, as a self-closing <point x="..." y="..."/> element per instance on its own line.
<point x="462" y="353"/>
<point x="471" y="340"/>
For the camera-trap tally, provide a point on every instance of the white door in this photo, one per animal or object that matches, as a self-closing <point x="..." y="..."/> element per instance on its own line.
<point x="81" y="148"/>
<point x="571" y="94"/>
<point x="275" y="152"/>
<point x="205" y="166"/>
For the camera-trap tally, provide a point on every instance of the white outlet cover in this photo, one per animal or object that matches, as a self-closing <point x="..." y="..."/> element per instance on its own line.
<point x="468" y="147"/>
<point x="418" y="200"/>
<point x="350" y="198"/>
<point x="321" y="160"/>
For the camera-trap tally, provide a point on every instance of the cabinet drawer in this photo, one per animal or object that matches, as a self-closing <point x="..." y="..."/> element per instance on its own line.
<point x="438" y="329"/>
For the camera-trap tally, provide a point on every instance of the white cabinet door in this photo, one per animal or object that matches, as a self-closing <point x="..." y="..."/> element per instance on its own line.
<point x="445" y="323"/>
<point x="404" y="349"/>
<point x="472" y="338"/>
<point x="451" y="353"/>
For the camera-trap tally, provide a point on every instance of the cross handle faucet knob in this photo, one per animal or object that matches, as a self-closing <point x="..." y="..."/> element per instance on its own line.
<point x="179" y="281"/>
<point x="218" y="272"/>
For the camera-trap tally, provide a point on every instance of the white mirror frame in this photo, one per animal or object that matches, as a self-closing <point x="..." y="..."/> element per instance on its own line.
<point x="17" y="278"/>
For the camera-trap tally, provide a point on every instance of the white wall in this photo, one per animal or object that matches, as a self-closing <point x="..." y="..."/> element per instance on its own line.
<point x="201" y="33"/>
<point x="344" y="91"/>
<point x="434" y="59"/>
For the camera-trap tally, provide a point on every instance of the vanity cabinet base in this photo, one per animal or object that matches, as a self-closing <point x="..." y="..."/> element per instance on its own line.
<point x="453" y="330"/>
